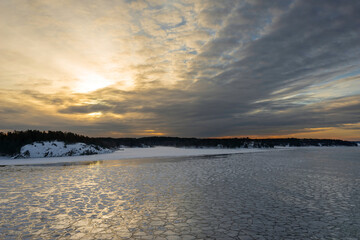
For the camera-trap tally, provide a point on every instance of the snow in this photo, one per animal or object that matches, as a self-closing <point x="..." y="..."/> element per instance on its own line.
<point x="132" y="153"/>
<point x="58" y="149"/>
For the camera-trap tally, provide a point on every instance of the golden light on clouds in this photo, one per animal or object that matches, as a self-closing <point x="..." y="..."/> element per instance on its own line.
<point x="95" y="114"/>
<point x="202" y="68"/>
<point x="347" y="131"/>
<point x="89" y="82"/>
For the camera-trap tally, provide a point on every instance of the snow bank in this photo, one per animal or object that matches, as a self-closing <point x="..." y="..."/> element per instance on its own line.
<point x="131" y="153"/>
<point x="58" y="149"/>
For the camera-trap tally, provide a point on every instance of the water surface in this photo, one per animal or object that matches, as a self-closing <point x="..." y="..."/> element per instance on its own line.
<point x="309" y="193"/>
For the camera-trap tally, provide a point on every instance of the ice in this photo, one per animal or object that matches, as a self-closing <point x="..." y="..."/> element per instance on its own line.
<point x="131" y="153"/>
<point x="303" y="193"/>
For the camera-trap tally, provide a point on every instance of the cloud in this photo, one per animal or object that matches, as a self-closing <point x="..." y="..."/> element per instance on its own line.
<point x="184" y="68"/>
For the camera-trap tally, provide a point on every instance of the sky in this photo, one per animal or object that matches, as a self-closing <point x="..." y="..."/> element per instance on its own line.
<point x="204" y="68"/>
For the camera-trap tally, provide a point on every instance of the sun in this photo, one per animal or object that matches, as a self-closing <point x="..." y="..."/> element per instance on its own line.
<point x="88" y="82"/>
<point x="91" y="81"/>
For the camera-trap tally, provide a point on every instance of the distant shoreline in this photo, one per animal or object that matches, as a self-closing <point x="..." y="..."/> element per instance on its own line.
<point x="12" y="142"/>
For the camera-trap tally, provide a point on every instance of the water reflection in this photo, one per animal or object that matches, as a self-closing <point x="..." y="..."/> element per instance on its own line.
<point x="275" y="195"/>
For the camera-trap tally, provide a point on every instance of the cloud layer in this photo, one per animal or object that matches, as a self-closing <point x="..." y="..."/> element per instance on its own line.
<point x="204" y="69"/>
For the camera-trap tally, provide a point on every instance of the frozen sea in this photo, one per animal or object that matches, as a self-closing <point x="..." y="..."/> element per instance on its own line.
<point x="302" y="193"/>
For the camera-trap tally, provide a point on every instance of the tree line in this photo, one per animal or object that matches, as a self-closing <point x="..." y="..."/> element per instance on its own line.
<point x="11" y="142"/>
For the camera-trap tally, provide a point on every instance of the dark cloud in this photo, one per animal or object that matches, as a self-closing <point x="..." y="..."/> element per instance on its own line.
<point x="86" y="108"/>
<point x="309" y="43"/>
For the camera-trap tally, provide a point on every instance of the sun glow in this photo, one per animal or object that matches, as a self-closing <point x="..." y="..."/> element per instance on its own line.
<point x="95" y="114"/>
<point x="89" y="82"/>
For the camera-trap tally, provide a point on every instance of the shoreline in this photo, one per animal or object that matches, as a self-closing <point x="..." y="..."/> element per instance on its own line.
<point x="132" y="153"/>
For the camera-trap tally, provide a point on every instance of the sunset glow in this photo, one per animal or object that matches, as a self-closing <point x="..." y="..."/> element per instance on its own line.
<point x="184" y="68"/>
<point x="91" y="82"/>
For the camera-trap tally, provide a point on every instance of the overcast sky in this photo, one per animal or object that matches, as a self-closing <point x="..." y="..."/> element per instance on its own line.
<point x="204" y="68"/>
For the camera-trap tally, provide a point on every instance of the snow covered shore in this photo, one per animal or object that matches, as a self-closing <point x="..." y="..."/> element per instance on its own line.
<point x="59" y="149"/>
<point x="131" y="153"/>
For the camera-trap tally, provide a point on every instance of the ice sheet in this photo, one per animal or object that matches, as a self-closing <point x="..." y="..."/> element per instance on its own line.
<point x="131" y="153"/>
